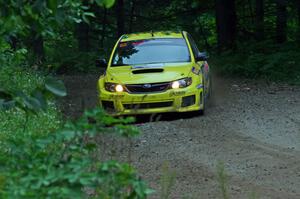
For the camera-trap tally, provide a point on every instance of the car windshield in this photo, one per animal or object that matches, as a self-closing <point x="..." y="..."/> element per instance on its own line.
<point x="151" y="51"/>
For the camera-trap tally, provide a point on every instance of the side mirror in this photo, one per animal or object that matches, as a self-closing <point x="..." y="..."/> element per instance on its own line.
<point x="202" y="56"/>
<point x="101" y="63"/>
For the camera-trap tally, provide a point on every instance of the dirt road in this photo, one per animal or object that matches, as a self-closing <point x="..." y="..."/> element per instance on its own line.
<point x="253" y="128"/>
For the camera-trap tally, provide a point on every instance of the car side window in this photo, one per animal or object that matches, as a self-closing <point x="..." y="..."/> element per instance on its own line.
<point x="193" y="45"/>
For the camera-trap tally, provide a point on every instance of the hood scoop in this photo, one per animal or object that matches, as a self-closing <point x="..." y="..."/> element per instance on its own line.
<point x="148" y="70"/>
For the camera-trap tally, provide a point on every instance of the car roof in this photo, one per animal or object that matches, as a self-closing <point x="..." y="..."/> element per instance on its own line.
<point x="151" y="35"/>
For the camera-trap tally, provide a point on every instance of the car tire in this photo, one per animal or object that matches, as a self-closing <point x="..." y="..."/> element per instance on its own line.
<point x="202" y="111"/>
<point x="210" y="89"/>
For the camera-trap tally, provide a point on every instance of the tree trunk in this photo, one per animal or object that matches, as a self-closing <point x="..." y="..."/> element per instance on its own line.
<point x="203" y="34"/>
<point x="83" y="30"/>
<point x="226" y="23"/>
<point x="259" y="22"/>
<point x="120" y="17"/>
<point x="298" y="7"/>
<point x="13" y="41"/>
<point x="281" y="21"/>
<point x="131" y="15"/>
<point x="38" y="47"/>
<point x="251" y="13"/>
<point x="103" y="28"/>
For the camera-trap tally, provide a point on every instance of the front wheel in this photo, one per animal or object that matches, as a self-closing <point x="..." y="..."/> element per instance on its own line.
<point x="203" y="101"/>
<point x="209" y="94"/>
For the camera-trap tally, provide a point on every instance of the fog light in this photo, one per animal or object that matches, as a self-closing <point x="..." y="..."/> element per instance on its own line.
<point x="119" y="88"/>
<point x="188" y="101"/>
<point x="175" y="85"/>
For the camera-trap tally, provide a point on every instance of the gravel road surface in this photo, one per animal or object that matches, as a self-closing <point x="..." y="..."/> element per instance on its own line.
<point x="253" y="128"/>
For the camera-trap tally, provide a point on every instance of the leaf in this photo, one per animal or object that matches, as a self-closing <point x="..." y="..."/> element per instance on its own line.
<point x="6" y="100"/>
<point x="105" y="3"/>
<point x="32" y="103"/>
<point x="90" y="146"/>
<point x="43" y="143"/>
<point x="56" y="87"/>
<point x="90" y="14"/>
<point x="67" y="134"/>
<point x="38" y="95"/>
<point x="52" y="5"/>
<point x="85" y="19"/>
<point x="5" y="95"/>
<point x="149" y="191"/>
<point x="5" y="105"/>
<point x="77" y="20"/>
<point x="86" y="16"/>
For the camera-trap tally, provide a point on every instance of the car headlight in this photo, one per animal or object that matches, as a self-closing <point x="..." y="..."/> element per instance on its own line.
<point x="113" y="87"/>
<point x="182" y="83"/>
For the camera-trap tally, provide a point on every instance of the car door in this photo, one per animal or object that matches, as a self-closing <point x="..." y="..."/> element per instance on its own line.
<point x="202" y="64"/>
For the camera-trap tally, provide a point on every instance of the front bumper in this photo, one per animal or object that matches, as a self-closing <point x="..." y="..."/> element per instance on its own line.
<point x="173" y="100"/>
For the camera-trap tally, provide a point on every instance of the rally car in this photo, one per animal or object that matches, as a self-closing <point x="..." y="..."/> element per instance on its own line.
<point x="155" y="72"/>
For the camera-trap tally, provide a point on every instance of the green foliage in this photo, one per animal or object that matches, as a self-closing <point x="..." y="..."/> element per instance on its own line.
<point x="60" y="165"/>
<point x="9" y="58"/>
<point x="205" y="31"/>
<point x="18" y="88"/>
<point x="167" y="181"/>
<point x="223" y="180"/>
<point x="36" y="100"/>
<point x="105" y="3"/>
<point x="29" y="24"/>
<point x="40" y="157"/>
<point x="56" y="87"/>
<point x="63" y="55"/>
<point x="253" y="195"/>
<point x="57" y="162"/>
<point x="12" y="123"/>
<point x="262" y="60"/>
<point x="44" y="16"/>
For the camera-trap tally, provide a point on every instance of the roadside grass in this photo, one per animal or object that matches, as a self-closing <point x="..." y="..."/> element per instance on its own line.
<point x="168" y="179"/>
<point x="13" y="122"/>
<point x="223" y="180"/>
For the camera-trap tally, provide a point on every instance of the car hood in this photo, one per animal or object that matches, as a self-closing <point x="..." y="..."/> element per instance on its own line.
<point x="147" y="73"/>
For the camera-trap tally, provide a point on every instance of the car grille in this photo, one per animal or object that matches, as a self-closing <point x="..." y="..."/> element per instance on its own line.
<point x="148" y="105"/>
<point x="147" y="88"/>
